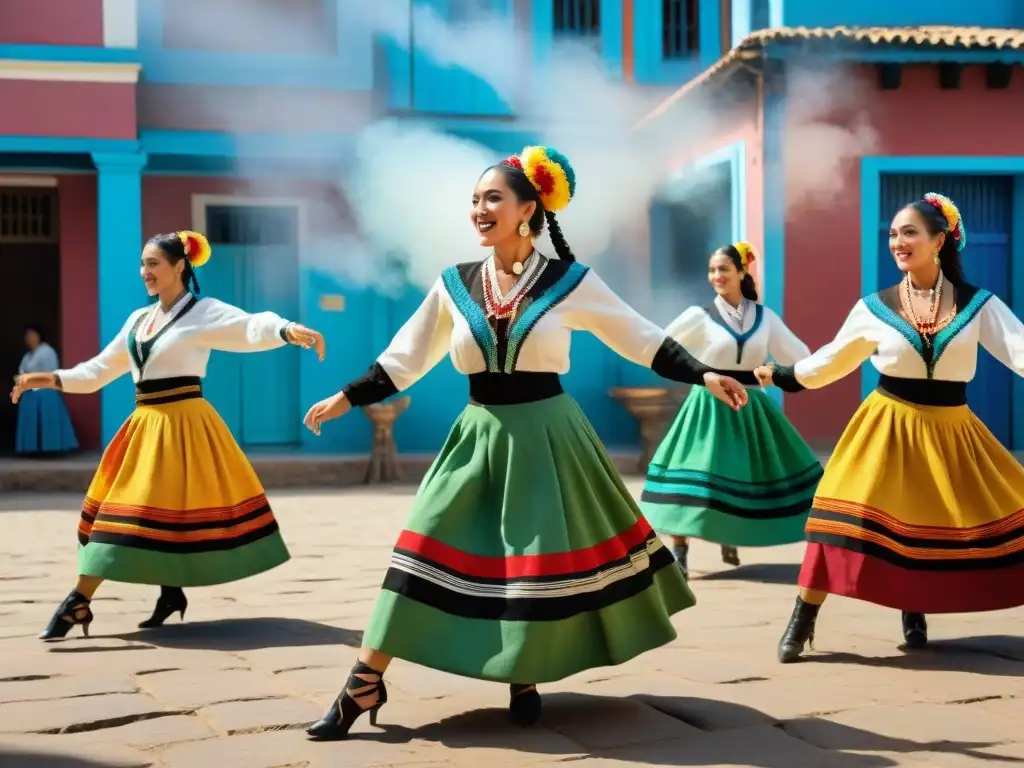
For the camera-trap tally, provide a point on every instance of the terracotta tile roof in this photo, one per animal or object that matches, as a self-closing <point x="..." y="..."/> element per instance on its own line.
<point x="942" y="37"/>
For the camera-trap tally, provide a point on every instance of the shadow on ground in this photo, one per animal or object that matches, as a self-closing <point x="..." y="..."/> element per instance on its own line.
<point x="982" y="655"/>
<point x="709" y="733"/>
<point x="765" y="573"/>
<point x="250" y="634"/>
<point x="10" y="759"/>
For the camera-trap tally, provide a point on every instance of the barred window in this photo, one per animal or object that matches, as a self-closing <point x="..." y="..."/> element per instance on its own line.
<point x="578" y="17"/>
<point x="28" y="216"/>
<point x="680" y="29"/>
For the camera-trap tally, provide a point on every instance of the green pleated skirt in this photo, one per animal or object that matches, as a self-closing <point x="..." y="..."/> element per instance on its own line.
<point x="741" y="478"/>
<point x="525" y="559"/>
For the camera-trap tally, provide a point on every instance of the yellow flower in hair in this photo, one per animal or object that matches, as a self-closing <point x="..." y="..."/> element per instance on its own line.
<point x="551" y="175"/>
<point x="197" y="248"/>
<point x="747" y="253"/>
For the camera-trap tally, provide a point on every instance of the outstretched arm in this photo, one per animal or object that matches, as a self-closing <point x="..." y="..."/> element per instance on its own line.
<point x="784" y="346"/>
<point x="420" y="344"/>
<point x="594" y="307"/>
<point x="229" y="329"/>
<point x="856" y="341"/>
<point x="92" y="375"/>
<point x="1002" y="334"/>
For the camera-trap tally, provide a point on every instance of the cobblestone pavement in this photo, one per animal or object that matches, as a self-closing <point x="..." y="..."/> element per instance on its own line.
<point x="255" y="661"/>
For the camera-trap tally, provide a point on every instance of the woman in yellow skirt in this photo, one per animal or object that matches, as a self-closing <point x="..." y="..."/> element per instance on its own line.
<point x="174" y="501"/>
<point x="921" y="508"/>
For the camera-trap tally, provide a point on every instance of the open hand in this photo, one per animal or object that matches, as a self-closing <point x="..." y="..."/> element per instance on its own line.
<point x="327" y="409"/>
<point x="726" y="389"/>
<point x="763" y="373"/>
<point x="307" y="338"/>
<point x="29" y="381"/>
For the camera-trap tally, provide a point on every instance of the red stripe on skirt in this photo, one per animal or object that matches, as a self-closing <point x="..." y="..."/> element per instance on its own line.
<point x="519" y="566"/>
<point x="843" y="572"/>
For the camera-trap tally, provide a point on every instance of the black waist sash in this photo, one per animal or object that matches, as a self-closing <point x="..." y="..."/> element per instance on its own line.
<point x="513" y="388"/>
<point x="170" y="390"/>
<point x="925" y="391"/>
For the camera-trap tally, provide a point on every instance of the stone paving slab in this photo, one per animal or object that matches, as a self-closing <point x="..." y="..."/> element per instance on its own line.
<point x="234" y="685"/>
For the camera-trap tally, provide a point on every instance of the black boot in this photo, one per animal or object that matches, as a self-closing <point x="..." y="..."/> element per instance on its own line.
<point x="524" y="704"/>
<point x="915" y="630"/>
<point x="346" y="710"/>
<point x="730" y="556"/>
<point x="74" y="610"/>
<point x="172" y="600"/>
<point x="681" y="551"/>
<point x="799" y="631"/>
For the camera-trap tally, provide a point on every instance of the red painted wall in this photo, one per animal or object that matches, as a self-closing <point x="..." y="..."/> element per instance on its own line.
<point x="78" y="289"/>
<point x="823" y="245"/>
<point x="52" y="22"/>
<point x="80" y="110"/>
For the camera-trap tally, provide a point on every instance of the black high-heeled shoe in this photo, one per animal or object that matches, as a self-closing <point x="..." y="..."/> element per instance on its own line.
<point x="915" y="630"/>
<point x="730" y="555"/>
<point x="74" y="611"/>
<point x="346" y="710"/>
<point x="172" y="600"/>
<point x="524" y="704"/>
<point x="799" y="631"/>
<point x="680" y="552"/>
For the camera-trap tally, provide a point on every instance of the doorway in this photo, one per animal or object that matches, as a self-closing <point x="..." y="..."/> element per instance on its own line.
<point x="30" y="276"/>
<point x="255" y="266"/>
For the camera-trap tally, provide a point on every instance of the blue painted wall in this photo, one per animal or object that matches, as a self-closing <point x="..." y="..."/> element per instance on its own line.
<point x="815" y="13"/>
<point x="651" y="65"/>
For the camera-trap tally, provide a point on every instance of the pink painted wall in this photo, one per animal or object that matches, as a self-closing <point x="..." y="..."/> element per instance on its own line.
<point x="167" y="200"/>
<point x="823" y="245"/>
<point x="78" y="289"/>
<point x="742" y="125"/>
<point x="51" y="22"/>
<point x="80" y="110"/>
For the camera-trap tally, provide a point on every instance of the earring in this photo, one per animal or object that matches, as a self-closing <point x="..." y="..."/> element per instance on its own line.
<point x="524" y="229"/>
<point x="936" y="258"/>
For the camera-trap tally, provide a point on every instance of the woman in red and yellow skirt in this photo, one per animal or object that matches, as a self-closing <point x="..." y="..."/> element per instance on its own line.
<point x="174" y="502"/>
<point x="921" y="508"/>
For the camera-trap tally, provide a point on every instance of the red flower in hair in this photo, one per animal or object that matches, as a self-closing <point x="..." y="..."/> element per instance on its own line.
<point x="513" y="162"/>
<point x="543" y="179"/>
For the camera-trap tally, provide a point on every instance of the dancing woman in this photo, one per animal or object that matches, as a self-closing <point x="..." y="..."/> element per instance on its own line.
<point x="921" y="508"/>
<point x="524" y="559"/>
<point x="744" y="479"/>
<point x="174" y="501"/>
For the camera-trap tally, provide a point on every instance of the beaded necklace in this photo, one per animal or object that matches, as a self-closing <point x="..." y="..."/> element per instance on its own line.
<point x="504" y="307"/>
<point x="927" y="328"/>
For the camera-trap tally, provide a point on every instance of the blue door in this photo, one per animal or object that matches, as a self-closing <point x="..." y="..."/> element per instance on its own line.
<point x="985" y="202"/>
<point x="257" y="394"/>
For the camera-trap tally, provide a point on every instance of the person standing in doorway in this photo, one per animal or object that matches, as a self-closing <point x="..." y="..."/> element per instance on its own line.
<point x="174" y="502"/>
<point x="739" y="480"/>
<point x="921" y="508"/>
<point x="44" y="425"/>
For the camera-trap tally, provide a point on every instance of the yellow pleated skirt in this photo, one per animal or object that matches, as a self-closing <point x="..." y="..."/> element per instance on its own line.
<point x="174" y="501"/>
<point x="921" y="509"/>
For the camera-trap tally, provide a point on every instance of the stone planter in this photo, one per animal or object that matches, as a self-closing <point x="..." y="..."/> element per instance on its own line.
<point x="653" y="408"/>
<point x="384" y="466"/>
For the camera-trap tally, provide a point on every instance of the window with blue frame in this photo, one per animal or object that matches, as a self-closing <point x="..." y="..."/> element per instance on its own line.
<point x="578" y="18"/>
<point x="760" y="15"/>
<point x="680" y="29"/>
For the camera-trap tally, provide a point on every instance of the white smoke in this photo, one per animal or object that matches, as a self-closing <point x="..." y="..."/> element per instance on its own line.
<point x="409" y="182"/>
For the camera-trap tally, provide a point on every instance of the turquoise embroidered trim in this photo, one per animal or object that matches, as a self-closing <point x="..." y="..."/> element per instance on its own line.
<point x="962" y="320"/>
<point x="942" y="339"/>
<point x="475" y="317"/>
<point x="543" y="304"/>
<point x="884" y="313"/>
<point x="742" y="338"/>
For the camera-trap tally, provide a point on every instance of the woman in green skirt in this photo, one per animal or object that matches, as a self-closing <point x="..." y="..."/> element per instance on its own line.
<point x="739" y="481"/>
<point x="524" y="559"/>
